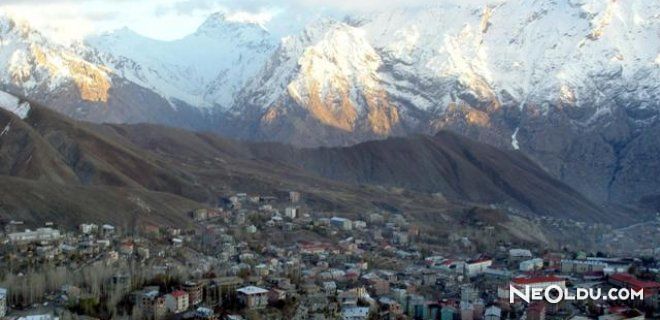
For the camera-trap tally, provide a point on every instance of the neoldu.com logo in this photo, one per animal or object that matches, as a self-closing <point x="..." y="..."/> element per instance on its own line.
<point x="556" y="294"/>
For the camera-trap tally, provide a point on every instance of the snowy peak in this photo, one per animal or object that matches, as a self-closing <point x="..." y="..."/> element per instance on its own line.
<point x="218" y="24"/>
<point x="30" y="62"/>
<point x="203" y="69"/>
<point x="338" y="81"/>
<point x="330" y="72"/>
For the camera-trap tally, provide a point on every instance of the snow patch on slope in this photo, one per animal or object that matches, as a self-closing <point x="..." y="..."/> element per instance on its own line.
<point x="6" y="129"/>
<point x="14" y="105"/>
<point x="514" y="139"/>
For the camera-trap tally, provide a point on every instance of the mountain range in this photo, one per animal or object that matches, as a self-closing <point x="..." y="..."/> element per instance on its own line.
<point x="573" y="85"/>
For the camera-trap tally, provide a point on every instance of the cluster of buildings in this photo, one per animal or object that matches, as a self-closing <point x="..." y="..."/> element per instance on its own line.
<point x="259" y="257"/>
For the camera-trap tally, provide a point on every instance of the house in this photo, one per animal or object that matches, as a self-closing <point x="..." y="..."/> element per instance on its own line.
<point x="341" y="223"/>
<point x="476" y="267"/>
<point x="107" y="230"/>
<point x="355" y="313"/>
<point x="177" y="301"/>
<point x="88" y="228"/>
<point x="253" y="297"/>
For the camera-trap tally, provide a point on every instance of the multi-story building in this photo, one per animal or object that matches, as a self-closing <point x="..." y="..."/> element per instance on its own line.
<point x="177" y="301"/>
<point x="153" y="305"/>
<point x="582" y="266"/>
<point x="39" y="235"/>
<point x="651" y="289"/>
<point x="253" y="297"/>
<point x="195" y="292"/>
<point x="291" y="212"/>
<point x="219" y="290"/>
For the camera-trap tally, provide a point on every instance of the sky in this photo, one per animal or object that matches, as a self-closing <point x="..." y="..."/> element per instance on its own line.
<point x="66" y="20"/>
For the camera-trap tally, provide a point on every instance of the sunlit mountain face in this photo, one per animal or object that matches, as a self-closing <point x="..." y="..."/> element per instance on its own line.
<point x="572" y="84"/>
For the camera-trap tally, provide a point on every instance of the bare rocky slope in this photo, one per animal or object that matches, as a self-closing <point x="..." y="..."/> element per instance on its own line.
<point x="167" y="171"/>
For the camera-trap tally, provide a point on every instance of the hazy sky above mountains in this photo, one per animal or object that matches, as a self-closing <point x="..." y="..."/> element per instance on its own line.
<point x="171" y="19"/>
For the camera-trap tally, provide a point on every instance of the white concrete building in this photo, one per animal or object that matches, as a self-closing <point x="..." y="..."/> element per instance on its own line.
<point x="476" y="267"/>
<point x="531" y="264"/>
<point x="39" y="235"/>
<point x="291" y="212"/>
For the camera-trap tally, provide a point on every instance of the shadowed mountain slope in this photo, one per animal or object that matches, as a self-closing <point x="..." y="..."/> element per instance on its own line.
<point x="162" y="172"/>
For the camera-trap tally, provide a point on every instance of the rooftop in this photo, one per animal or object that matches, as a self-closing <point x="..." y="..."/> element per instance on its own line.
<point x="178" y="293"/>
<point x="252" y="290"/>
<point x="533" y="280"/>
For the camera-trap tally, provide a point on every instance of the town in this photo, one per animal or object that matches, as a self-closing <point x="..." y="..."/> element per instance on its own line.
<point x="267" y="257"/>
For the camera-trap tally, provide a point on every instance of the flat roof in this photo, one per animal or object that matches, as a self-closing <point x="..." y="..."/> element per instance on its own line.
<point x="252" y="290"/>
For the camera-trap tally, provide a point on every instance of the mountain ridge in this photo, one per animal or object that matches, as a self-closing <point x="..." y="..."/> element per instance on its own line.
<point x="200" y="167"/>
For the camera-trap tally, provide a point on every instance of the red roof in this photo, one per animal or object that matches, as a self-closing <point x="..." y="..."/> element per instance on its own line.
<point x="533" y="280"/>
<point x="479" y="260"/>
<point x="633" y="282"/>
<point x="178" y="293"/>
<point x="447" y="262"/>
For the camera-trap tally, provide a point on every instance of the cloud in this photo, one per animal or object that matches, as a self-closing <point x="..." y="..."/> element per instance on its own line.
<point x="170" y="19"/>
<point x="60" y="22"/>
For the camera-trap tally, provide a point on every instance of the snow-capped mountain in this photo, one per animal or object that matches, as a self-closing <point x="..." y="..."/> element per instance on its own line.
<point x="203" y="69"/>
<point x="574" y="84"/>
<point x="32" y="64"/>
